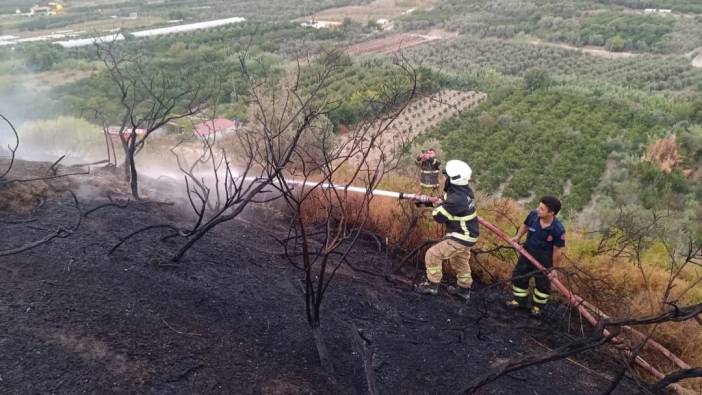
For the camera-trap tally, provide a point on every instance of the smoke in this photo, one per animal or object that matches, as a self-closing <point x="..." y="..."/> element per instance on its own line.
<point x="24" y="97"/>
<point x="30" y="102"/>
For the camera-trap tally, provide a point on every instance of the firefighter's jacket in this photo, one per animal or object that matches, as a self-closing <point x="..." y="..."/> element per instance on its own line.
<point x="459" y="214"/>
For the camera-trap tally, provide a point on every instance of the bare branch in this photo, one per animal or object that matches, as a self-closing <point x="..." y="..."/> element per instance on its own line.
<point x="24" y="180"/>
<point x="538" y="359"/>
<point x="112" y="204"/>
<point x="142" y="230"/>
<point x="52" y="168"/>
<point x="676" y="377"/>
<point x="12" y="148"/>
<point x="60" y="232"/>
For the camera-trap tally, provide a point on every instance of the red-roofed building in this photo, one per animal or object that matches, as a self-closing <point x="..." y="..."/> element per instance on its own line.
<point x="214" y="126"/>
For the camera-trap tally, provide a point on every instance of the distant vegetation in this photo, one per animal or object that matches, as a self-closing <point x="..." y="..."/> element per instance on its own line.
<point x="73" y="137"/>
<point x="624" y="32"/>
<point x="692" y="6"/>
<point x="285" y="39"/>
<point x="573" y="111"/>
<point x="201" y="65"/>
<point x="553" y="140"/>
<point x="252" y="10"/>
<point x="574" y="22"/>
<point x="357" y="86"/>
<point x="646" y="72"/>
<point x="52" y="22"/>
<point x="188" y="10"/>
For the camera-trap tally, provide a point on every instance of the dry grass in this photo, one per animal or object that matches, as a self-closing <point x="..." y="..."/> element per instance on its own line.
<point x="664" y="153"/>
<point x="22" y="198"/>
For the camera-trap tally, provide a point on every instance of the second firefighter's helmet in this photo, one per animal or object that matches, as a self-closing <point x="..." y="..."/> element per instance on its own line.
<point x="458" y="172"/>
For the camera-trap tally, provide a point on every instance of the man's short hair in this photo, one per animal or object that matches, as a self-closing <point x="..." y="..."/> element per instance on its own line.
<point x="553" y="204"/>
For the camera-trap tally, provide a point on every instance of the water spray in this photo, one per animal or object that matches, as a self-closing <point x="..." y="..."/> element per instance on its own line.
<point x="413" y="197"/>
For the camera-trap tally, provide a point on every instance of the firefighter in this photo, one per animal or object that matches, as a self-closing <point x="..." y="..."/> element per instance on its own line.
<point x="459" y="214"/>
<point x="545" y="242"/>
<point x="429" y="171"/>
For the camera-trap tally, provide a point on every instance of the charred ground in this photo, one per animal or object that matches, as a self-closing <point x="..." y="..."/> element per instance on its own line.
<point x="230" y="318"/>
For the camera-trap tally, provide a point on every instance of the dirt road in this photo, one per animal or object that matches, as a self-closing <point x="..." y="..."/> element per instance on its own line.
<point x="590" y="50"/>
<point x="397" y="42"/>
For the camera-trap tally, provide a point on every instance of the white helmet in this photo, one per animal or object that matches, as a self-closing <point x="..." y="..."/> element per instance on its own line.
<point x="458" y="172"/>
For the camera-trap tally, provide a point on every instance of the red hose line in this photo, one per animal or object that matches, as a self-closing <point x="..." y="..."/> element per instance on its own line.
<point x="574" y="300"/>
<point x="654" y="344"/>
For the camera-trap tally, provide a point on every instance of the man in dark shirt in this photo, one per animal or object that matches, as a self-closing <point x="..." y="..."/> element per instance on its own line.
<point x="545" y="242"/>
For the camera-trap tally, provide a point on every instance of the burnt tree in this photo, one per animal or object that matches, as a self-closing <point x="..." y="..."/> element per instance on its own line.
<point x="150" y="96"/>
<point x="328" y="187"/>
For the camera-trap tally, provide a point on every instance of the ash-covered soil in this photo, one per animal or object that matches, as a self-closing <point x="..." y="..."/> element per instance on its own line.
<point x="231" y="317"/>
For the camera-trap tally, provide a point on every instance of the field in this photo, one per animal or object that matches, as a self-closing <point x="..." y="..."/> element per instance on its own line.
<point x="396" y="42"/>
<point x="425" y="113"/>
<point x="374" y="10"/>
<point x="644" y="72"/>
<point x="572" y="22"/>
<point x="588" y="49"/>
<point x="689" y="6"/>
<point x="94" y="18"/>
<point x="573" y="133"/>
<point x="46" y="80"/>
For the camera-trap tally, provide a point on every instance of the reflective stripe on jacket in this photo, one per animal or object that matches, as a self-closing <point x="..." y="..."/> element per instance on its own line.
<point x="459" y="214"/>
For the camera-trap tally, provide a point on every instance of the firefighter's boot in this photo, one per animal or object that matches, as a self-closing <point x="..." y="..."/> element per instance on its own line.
<point x="427" y="287"/>
<point x="461" y="292"/>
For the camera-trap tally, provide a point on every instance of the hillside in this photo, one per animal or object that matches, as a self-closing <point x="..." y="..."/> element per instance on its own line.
<point x="231" y="319"/>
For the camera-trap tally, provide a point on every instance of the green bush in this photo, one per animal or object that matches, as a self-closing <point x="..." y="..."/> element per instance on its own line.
<point x="625" y="32"/>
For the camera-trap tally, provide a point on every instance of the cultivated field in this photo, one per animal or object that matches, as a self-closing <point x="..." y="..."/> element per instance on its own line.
<point x="378" y="9"/>
<point x="396" y="42"/>
<point x="425" y="113"/>
<point x="429" y="111"/>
